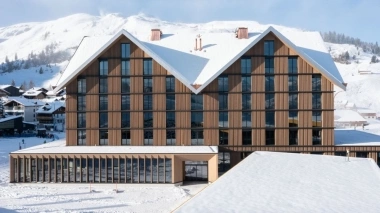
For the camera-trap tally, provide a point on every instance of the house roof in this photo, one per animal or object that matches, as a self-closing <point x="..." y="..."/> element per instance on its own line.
<point x="25" y="102"/>
<point x="346" y="115"/>
<point x="59" y="147"/>
<point x="286" y="182"/>
<point x="4" y="91"/>
<point x="175" y="52"/>
<point x="50" y="108"/>
<point x="9" y="118"/>
<point x="32" y="92"/>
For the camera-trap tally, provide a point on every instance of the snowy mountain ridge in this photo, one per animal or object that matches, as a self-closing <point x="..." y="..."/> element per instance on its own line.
<point x="66" y="33"/>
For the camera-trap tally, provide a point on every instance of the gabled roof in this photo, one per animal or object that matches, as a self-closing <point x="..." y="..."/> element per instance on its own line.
<point x="4" y="91"/>
<point x="25" y="101"/>
<point x="50" y="108"/>
<point x="175" y="52"/>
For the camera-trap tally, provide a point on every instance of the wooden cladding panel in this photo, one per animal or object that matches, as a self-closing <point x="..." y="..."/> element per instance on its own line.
<point x="158" y="69"/>
<point x="327" y="116"/>
<point x="92" y="137"/>
<point x="72" y="87"/>
<point x="136" y="51"/>
<point x="71" y="137"/>
<point x="71" y="102"/>
<point x="92" y="69"/>
<point x="304" y="102"/>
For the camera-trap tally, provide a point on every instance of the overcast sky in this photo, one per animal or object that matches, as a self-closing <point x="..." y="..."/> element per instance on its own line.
<point x="356" y="18"/>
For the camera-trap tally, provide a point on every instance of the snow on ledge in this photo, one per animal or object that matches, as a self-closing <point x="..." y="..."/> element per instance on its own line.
<point x="59" y="147"/>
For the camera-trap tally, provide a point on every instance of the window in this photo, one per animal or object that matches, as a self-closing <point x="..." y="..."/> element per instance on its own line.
<point x="197" y="137"/>
<point x="247" y="137"/>
<point x="147" y="67"/>
<point x="81" y="120"/>
<point x="223" y="101"/>
<point x="223" y="84"/>
<point x="103" y="85"/>
<point x="223" y="137"/>
<point x="103" y="102"/>
<point x="316" y="118"/>
<point x="269" y="137"/>
<point x="224" y="162"/>
<point x="269" y="119"/>
<point x="269" y="83"/>
<point x="82" y="86"/>
<point x="147" y="105"/>
<point x="81" y="138"/>
<point x="246" y="83"/>
<point x="81" y="103"/>
<point x="362" y="154"/>
<point x="317" y="136"/>
<point x="103" y="68"/>
<point x="170" y="102"/>
<point x="246" y="101"/>
<point x="292" y="65"/>
<point x="103" y="120"/>
<point x="148" y="84"/>
<point x="245" y="65"/>
<point x="269" y="48"/>
<point x="316" y="97"/>
<point x="125" y="50"/>
<point x="293" y="137"/>
<point x="293" y="118"/>
<point x="170" y="119"/>
<point x="125" y="85"/>
<point x="125" y="102"/>
<point x="223" y="119"/>
<point x="343" y="154"/>
<point x="196" y="119"/>
<point x="378" y="159"/>
<point x="246" y="119"/>
<point x="293" y="83"/>
<point x="103" y="137"/>
<point x="148" y="119"/>
<point x="148" y="137"/>
<point x="125" y="68"/>
<point x="125" y="137"/>
<point x="293" y="101"/>
<point x="170" y="137"/>
<point x="316" y="82"/>
<point x="196" y="102"/>
<point x="125" y="120"/>
<point x="170" y="84"/>
<point x="269" y="101"/>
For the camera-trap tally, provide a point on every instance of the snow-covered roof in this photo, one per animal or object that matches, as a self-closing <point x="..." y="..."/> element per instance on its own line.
<point x="175" y="52"/>
<point x="9" y="118"/>
<point x="25" y="102"/>
<point x="32" y="92"/>
<point x="5" y="86"/>
<point x="341" y="115"/>
<point x="51" y="107"/>
<point x="59" y="147"/>
<point x="4" y="91"/>
<point x="349" y="137"/>
<point x="366" y="111"/>
<point x="286" y="182"/>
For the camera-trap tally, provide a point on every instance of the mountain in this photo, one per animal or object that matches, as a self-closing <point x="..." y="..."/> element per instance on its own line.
<point x="64" y="35"/>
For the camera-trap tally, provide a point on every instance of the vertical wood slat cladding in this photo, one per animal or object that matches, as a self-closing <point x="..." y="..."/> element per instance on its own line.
<point x="114" y="101"/>
<point x="211" y="102"/>
<point x="137" y="118"/>
<point x="327" y="116"/>
<point x="304" y="102"/>
<point x="281" y="99"/>
<point x="258" y="100"/>
<point x="159" y="103"/>
<point x="182" y="119"/>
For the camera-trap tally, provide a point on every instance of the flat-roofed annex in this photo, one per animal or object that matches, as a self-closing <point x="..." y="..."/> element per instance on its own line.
<point x="220" y="50"/>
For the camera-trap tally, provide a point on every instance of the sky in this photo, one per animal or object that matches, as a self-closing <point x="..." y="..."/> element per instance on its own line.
<point x="356" y="18"/>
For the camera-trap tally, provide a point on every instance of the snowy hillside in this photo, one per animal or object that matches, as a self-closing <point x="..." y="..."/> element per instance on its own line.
<point x="66" y="33"/>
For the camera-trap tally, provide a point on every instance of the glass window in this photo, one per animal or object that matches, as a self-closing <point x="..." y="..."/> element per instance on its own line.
<point x="161" y="172"/>
<point x="81" y="119"/>
<point x="293" y="118"/>
<point x="269" y="119"/>
<point x="103" y="137"/>
<point x="223" y="137"/>
<point x="362" y="154"/>
<point x="246" y="119"/>
<point x="223" y="101"/>
<point x="269" y="137"/>
<point x="109" y="170"/>
<point x="125" y="50"/>
<point x="170" y="119"/>
<point x="224" y="162"/>
<point x="125" y="68"/>
<point x="378" y="159"/>
<point x="148" y="119"/>
<point x="269" y="65"/>
<point x="154" y="170"/>
<point x="197" y="137"/>
<point x="170" y="102"/>
<point x="148" y="84"/>
<point x="246" y="65"/>
<point x="52" y="170"/>
<point x="103" y="171"/>
<point x="39" y="169"/>
<point x="129" y="170"/>
<point x="148" y="103"/>
<point x="269" y="48"/>
<point x="115" y="170"/>
<point x="71" y="170"/>
<point x="168" y="170"/>
<point x="103" y="120"/>
<point x="81" y="103"/>
<point x="125" y="137"/>
<point x="141" y="170"/>
<point x="293" y="83"/>
<point x="223" y="119"/>
<point x="196" y="102"/>
<point x="196" y="119"/>
<point x="90" y="170"/>
<point x="170" y="137"/>
<point x="292" y="65"/>
<point x="103" y="85"/>
<point x="46" y="170"/>
<point x="64" y="168"/>
<point x="122" y="170"/>
<point x="343" y="154"/>
<point x="246" y="101"/>
<point x="223" y="84"/>
<point x="147" y="66"/>
<point x="125" y="82"/>
<point x="96" y="170"/>
<point x="103" y="68"/>
<point x="82" y="86"/>
<point x="247" y="137"/>
<point x="316" y="82"/>
<point x="293" y="137"/>
<point x="148" y="175"/>
<point x="317" y="136"/>
<point x="170" y="84"/>
<point x="77" y="170"/>
<point x="148" y="137"/>
<point x="134" y="171"/>
<point x="81" y="138"/>
<point x="125" y="102"/>
<point x="316" y="97"/>
<point x="316" y="118"/>
<point x="246" y="83"/>
<point x="269" y="83"/>
<point x="103" y="102"/>
<point x="293" y="101"/>
<point x="269" y="101"/>
<point x="125" y="120"/>
<point x="59" y="168"/>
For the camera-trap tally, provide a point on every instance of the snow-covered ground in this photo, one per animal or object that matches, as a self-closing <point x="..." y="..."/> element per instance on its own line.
<point x="49" y="197"/>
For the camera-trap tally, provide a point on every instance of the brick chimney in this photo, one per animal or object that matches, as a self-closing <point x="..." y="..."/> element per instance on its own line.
<point x="198" y="43"/>
<point x="155" y="34"/>
<point x="241" y="32"/>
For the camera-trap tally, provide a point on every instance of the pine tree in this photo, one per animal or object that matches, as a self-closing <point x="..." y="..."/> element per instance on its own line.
<point x="347" y="56"/>
<point x="13" y="83"/>
<point x="41" y="71"/>
<point x="31" y="84"/>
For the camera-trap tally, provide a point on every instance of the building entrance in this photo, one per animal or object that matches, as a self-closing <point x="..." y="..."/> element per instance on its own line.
<point x="196" y="171"/>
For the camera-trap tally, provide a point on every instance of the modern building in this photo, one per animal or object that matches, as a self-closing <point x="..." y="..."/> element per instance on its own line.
<point x="177" y="107"/>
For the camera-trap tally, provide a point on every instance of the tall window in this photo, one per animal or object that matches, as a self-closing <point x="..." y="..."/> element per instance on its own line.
<point x="81" y="115"/>
<point x="82" y="85"/>
<point x="293" y="137"/>
<point x="269" y="137"/>
<point x="103" y="73"/>
<point x="246" y="89"/>
<point x="269" y="48"/>
<point x="125" y="96"/>
<point x="247" y="137"/>
<point x="170" y="128"/>
<point x="269" y="92"/>
<point x="293" y="100"/>
<point x="223" y="109"/>
<point x="125" y="50"/>
<point x="81" y="138"/>
<point x="170" y="113"/>
<point x="197" y="119"/>
<point x="148" y="101"/>
<point x="317" y="112"/>
<point x="103" y="137"/>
